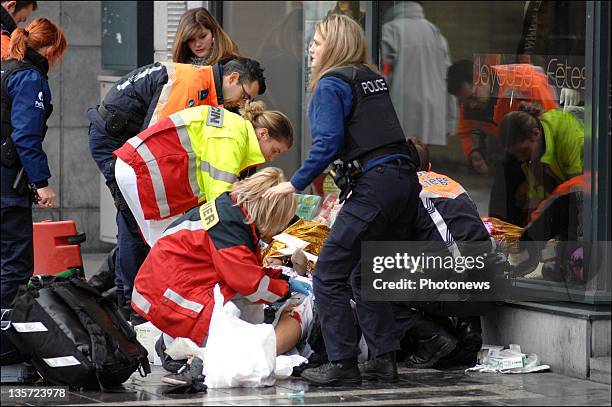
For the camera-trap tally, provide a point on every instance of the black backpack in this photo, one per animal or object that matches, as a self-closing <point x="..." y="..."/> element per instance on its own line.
<point x="74" y="336"/>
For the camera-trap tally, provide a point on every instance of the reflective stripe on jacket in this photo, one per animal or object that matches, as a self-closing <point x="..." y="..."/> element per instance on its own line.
<point x="208" y="245"/>
<point x="187" y="86"/>
<point x="155" y="91"/>
<point x="447" y="213"/>
<point x="188" y="158"/>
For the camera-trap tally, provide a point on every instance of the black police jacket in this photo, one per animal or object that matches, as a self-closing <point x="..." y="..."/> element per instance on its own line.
<point x="372" y="123"/>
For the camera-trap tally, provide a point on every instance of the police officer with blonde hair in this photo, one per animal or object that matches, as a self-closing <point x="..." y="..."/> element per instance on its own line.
<point x="352" y="118"/>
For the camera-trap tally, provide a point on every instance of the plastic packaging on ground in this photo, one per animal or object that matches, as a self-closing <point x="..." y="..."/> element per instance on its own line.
<point x="496" y="359"/>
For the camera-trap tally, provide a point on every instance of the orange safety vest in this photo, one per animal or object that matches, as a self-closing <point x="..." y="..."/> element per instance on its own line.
<point x="516" y="83"/>
<point x="188" y="86"/>
<point x="575" y="184"/>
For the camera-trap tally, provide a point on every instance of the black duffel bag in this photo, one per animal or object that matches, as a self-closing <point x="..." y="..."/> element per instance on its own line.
<point x="74" y="336"/>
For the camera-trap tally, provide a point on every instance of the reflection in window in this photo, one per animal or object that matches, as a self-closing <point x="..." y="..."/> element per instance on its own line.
<point x="500" y="103"/>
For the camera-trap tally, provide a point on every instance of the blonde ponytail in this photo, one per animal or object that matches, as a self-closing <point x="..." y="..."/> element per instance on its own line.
<point x="252" y="110"/>
<point x="278" y="125"/>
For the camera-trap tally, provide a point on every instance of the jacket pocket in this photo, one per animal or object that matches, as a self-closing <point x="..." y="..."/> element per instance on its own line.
<point x="180" y="304"/>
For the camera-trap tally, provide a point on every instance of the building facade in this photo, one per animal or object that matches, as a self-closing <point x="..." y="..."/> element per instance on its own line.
<point x="567" y="42"/>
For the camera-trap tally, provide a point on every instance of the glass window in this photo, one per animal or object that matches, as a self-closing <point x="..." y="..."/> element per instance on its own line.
<point x="272" y="33"/>
<point x="496" y="90"/>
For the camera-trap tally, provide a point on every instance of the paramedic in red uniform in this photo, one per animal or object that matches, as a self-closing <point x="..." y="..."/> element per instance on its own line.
<point x="216" y="243"/>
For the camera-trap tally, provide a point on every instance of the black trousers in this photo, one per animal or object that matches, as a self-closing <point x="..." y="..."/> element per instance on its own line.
<point x="382" y="206"/>
<point x="406" y="318"/>
<point x="17" y="251"/>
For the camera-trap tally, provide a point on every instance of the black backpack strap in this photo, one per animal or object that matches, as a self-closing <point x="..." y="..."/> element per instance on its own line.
<point x="116" y="317"/>
<point x="97" y="334"/>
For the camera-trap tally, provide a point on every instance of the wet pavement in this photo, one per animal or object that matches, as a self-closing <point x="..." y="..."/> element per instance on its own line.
<point x="415" y="387"/>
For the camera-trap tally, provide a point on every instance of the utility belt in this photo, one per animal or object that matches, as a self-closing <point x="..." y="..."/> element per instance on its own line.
<point x="10" y="159"/>
<point x="118" y="124"/>
<point x="8" y="154"/>
<point x="345" y="174"/>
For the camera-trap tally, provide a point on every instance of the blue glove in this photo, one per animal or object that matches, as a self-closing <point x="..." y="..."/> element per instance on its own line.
<point x="297" y="286"/>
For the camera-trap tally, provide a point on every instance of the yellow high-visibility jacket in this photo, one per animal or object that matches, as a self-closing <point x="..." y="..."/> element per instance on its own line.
<point x="189" y="158"/>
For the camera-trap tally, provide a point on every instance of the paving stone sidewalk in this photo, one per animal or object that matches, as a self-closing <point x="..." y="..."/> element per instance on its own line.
<point x="416" y="387"/>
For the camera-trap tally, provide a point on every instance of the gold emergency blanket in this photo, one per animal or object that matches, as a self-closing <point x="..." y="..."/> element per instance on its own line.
<point x="505" y="234"/>
<point x="314" y="233"/>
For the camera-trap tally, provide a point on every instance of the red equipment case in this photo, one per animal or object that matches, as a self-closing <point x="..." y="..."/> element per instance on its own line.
<point x="57" y="247"/>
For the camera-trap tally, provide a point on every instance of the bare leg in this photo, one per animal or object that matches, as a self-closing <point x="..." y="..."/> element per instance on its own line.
<point x="288" y="333"/>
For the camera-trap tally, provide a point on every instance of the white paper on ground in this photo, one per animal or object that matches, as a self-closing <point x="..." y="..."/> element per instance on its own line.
<point x="495" y="358"/>
<point x="147" y="334"/>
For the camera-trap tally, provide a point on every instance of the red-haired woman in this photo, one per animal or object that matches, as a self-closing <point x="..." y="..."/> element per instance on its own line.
<point x="26" y="106"/>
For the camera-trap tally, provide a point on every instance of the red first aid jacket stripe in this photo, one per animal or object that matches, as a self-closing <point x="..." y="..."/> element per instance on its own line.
<point x="174" y="286"/>
<point x="163" y="152"/>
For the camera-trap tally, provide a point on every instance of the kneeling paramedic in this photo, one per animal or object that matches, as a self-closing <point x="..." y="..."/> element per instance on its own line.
<point x="446" y="214"/>
<point x="217" y="243"/>
<point x="140" y="99"/>
<point x="192" y="157"/>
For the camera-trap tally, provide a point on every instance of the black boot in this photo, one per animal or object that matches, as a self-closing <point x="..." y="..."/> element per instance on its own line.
<point x="469" y="336"/>
<point x="432" y="343"/>
<point x="383" y="368"/>
<point x="345" y="373"/>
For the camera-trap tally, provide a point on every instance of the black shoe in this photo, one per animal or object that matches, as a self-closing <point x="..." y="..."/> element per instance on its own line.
<point x="188" y="380"/>
<point x="171" y="365"/>
<point x="431" y="350"/>
<point x="469" y="335"/>
<point x="188" y="373"/>
<point x="383" y="368"/>
<point x="333" y="374"/>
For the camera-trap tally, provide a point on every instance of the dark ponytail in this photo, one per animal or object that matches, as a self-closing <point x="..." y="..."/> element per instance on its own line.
<point x="517" y="127"/>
